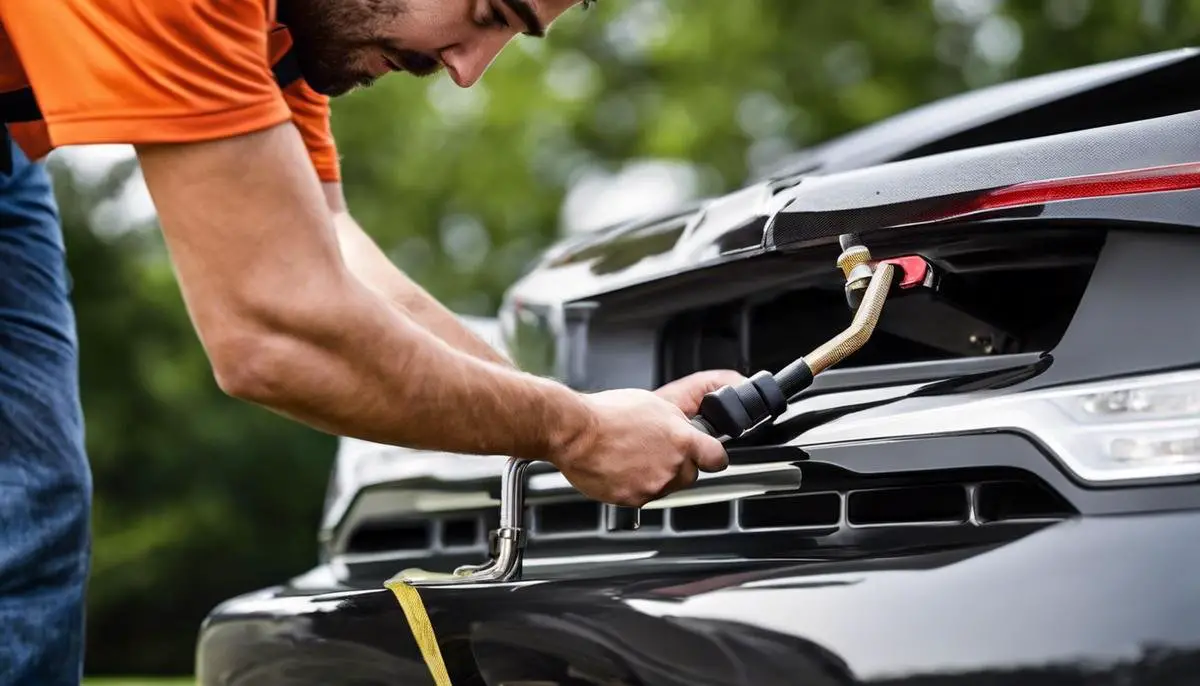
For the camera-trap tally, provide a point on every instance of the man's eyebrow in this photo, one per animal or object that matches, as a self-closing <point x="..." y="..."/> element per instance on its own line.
<point x="533" y="25"/>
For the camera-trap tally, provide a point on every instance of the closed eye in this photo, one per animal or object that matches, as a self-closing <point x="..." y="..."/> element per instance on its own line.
<point x="497" y="19"/>
<point x="525" y="13"/>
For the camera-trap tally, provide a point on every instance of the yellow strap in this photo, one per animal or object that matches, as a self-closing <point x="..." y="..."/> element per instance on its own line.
<point x="418" y="622"/>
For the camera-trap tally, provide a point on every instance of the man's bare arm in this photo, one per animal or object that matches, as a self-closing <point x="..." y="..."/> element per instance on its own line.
<point x="287" y="326"/>
<point x="367" y="262"/>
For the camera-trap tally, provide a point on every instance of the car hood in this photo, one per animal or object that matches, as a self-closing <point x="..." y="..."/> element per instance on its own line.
<point x="925" y="157"/>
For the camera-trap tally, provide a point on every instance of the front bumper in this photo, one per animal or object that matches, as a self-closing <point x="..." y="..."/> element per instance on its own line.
<point x="1103" y="600"/>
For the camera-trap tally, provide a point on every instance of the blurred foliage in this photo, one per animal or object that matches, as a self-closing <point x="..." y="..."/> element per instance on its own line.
<point x="200" y="497"/>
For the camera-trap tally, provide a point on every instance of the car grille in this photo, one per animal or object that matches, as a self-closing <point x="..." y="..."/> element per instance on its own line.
<point x="966" y="504"/>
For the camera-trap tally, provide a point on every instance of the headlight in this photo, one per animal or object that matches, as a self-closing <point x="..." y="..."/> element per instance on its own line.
<point x="1142" y="427"/>
<point x="1138" y="428"/>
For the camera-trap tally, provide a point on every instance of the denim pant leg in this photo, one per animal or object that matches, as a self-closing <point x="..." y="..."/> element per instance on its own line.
<point x="45" y="479"/>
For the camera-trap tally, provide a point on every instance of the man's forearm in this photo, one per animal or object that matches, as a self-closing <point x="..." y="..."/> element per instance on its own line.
<point x="415" y="389"/>
<point x="367" y="262"/>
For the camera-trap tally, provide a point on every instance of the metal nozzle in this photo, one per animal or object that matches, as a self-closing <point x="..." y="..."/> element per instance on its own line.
<point x="853" y="257"/>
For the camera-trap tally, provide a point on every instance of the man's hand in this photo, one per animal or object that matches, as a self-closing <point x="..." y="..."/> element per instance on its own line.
<point x="619" y="464"/>
<point x="639" y="448"/>
<point x="686" y="393"/>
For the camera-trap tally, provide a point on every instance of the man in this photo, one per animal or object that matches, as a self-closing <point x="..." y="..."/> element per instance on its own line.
<point x="297" y="309"/>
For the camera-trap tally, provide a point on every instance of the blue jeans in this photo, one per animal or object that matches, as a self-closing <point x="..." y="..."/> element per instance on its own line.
<point x="45" y="479"/>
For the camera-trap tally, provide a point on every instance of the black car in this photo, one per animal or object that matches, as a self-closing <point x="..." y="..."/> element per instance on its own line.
<point x="995" y="483"/>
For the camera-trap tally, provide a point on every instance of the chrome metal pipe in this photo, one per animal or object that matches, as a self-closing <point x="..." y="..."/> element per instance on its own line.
<point x="507" y="543"/>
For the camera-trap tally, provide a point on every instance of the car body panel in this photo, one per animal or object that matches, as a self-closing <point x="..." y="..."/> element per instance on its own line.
<point x="1103" y="600"/>
<point x="911" y="191"/>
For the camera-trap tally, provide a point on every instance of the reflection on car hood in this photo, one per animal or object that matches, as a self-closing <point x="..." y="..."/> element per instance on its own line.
<point x="732" y="226"/>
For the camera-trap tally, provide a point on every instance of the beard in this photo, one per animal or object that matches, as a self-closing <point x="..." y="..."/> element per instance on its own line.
<point x="334" y="41"/>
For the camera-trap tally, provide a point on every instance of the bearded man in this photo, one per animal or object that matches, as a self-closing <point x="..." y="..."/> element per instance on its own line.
<point x="226" y="103"/>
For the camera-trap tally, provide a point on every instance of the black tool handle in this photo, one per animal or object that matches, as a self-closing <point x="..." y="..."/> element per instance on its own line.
<point x="703" y="426"/>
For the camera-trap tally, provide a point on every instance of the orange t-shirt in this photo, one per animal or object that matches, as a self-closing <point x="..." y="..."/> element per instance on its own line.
<point x="154" y="71"/>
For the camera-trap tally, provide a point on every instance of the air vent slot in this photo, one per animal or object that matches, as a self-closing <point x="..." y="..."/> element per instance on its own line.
<point x="708" y="517"/>
<point x="460" y="533"/>
<point x="491" y="519"/>
<point x="913" y="505"/>
<point x="791" y="511"/>
<point x="374" y="537"/>
<point x="568" y="517"/>
<point x="652" y="520"/>
<point x="570" y="524"/>
<point x="1002" y="501"/>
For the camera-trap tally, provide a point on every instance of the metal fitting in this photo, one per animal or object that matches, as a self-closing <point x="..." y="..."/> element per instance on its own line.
<point x="858" y="277"/>
<point x="852" y="258"/>
<point x="855" y="263"/>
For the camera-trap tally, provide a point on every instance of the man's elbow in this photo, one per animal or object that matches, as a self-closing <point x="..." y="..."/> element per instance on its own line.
<point x="260" y="346"/>
<point x="253" y="367"/>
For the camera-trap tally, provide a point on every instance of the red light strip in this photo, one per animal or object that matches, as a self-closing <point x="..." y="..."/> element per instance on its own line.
<point x="1175" y="177"/>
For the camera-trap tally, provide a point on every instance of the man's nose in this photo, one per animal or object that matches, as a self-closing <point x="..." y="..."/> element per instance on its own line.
<point x="467" y="62"/>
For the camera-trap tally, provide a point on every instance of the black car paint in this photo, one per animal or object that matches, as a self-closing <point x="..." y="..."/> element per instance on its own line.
<point x="878" y="198"/>
<point x="1107" y="597"/>
<point x="1103" y="600"/>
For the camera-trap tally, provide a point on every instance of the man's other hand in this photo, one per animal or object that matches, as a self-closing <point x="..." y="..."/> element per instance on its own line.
<point x="686" y="393"/>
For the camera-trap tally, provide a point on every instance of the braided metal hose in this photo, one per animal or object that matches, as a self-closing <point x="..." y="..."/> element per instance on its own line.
<point x="861" y="327"/>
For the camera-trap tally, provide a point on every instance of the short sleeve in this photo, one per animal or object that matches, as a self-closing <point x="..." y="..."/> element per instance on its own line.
<point x="310" y="113"/>
<point x="138" y="71"/>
